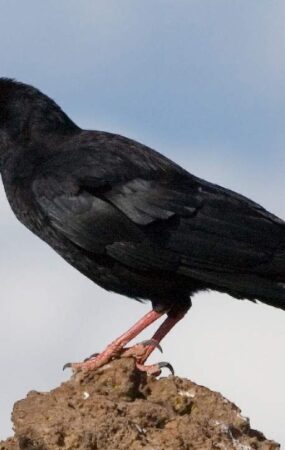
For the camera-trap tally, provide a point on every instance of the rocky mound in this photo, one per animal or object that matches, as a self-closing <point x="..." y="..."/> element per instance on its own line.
<point x="119" y="408"/>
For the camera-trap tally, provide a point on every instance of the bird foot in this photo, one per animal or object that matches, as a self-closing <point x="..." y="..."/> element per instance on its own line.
<point x="155" y="369"/>
<point x="139" y="351"/>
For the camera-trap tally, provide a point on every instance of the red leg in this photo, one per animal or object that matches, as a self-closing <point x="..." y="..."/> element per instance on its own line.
<point x="117" y="347"/>
<point x="162" y="331"/>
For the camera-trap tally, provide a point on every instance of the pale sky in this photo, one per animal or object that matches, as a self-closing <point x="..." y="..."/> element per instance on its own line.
<point x="200" y="81"/>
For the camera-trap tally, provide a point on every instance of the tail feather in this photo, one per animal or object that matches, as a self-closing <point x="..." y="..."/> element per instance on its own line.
<point x="241" y="286"/>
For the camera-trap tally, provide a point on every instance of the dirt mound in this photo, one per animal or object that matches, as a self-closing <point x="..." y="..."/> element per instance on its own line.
<point x="119" y="408"/>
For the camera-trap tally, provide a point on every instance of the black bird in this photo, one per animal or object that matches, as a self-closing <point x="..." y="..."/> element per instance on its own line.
<point x="131" y="220"/>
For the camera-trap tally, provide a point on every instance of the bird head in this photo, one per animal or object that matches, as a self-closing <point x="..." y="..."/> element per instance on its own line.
<point x="28" y="116"/>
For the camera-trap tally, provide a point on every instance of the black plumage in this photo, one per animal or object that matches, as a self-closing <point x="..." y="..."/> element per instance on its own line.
<point x="127" y="217"/>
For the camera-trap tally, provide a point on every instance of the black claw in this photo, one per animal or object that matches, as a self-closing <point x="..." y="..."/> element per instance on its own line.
<point x="152" y="342"/>
<point x="67" y="366"/>
<point x="91" y="356"/>
<point x="166" y="364"/>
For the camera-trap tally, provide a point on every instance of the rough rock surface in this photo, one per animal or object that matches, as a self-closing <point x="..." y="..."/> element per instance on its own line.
<point x="118" y="408"/>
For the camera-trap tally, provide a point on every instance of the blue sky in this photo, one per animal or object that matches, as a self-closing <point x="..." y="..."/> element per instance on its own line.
<point x="204" y="83"/>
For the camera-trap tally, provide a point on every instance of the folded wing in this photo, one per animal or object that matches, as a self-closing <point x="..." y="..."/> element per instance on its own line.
<point x="168" y="223"/>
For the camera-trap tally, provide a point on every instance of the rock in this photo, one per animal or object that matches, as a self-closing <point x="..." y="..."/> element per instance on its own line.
<point x="119" y="408"/>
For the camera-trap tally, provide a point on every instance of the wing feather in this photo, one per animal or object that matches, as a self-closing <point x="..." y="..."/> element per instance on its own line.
<point x="150" y="215"/>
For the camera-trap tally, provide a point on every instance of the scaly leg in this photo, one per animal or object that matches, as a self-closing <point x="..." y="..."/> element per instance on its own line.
<point x="162" y="331"/>
<point x="116" y="348"/>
